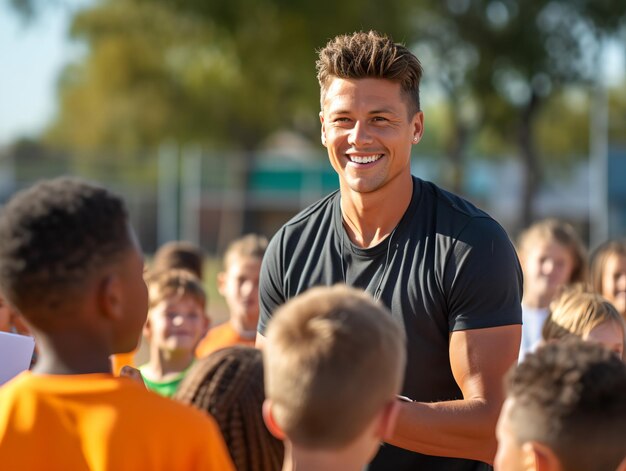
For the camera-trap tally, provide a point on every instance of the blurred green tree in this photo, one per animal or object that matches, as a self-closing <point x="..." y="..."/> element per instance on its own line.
<point x="501" y="61"/>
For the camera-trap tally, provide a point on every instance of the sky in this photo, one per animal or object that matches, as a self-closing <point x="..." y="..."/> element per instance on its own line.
<point x="33" y="54"/>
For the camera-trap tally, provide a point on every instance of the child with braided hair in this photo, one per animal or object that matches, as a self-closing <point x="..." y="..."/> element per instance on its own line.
<point x="229" y="385"/>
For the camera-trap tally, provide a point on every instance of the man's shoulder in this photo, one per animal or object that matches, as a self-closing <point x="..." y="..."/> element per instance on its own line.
<point x="315" y="213"/>
<point x="455" y="217"/>
<point x="444" y="200"/>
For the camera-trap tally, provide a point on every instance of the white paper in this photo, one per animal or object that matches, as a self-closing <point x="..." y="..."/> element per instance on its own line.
<point x="16" y="352"/>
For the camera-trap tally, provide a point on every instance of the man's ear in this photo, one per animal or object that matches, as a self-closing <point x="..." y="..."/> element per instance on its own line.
<point x="539" y="457"/>
<point x="387" y="420"/>
<point x="270" y="423"/>
<point x="418" y="126"/>
<point x="622" y="466"/>
<point x="323" y="136"/>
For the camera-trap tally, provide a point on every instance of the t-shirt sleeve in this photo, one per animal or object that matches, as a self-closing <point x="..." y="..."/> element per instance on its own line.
<point x="271" y="293"/>
<point x="212" y="452"/>
<point x="482" y="278"/>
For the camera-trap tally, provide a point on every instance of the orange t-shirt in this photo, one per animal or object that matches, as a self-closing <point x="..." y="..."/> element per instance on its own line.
<point x="97" y="422"/>
<point x="224" y="335"/>
<point x="118" y="360"/>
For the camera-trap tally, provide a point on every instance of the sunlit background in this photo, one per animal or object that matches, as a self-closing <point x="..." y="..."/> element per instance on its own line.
<point x="204" y="114"/>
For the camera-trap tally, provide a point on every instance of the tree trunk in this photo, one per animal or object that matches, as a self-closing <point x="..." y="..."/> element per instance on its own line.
<point x="530" y="159"/>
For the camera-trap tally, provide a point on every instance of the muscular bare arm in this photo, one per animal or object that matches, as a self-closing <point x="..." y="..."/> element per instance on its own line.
<point x="464" y="428"/>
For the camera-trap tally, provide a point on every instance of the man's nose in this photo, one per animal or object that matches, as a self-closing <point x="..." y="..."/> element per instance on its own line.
<point x="359" y="135"/>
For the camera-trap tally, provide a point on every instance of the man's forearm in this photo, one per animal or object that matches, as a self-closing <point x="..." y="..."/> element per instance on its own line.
<point x="459" y="429"/>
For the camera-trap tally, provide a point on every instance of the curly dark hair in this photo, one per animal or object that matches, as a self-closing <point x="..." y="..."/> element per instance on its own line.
<point x="228" y="384"/>
<point x="53" y="235"/>
<point x="370" y="55"/>
<point x="571" y="396"/>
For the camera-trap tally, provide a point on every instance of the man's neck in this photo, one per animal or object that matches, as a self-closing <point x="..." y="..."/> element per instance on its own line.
<point x="369" y="218"/>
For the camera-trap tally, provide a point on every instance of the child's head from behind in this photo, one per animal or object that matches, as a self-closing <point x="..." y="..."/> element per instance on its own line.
<point x="65" y="244"/>
<point x="552" y="255"/>
<point x="239" y="282"/>
<point x="228" y="384"/>
<point x="334" y="360"/>
<point x="179" y="254"/>
<point x="608" y="273"/>
<point x="177" y="319"/>
<point x="587" y="315"/>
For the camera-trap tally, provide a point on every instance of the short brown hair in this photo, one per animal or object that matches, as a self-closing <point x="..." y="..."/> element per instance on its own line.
<point x="577" y="311"/>
<point x="179" y="254"/>
<point x="175" y="283"/>
<point x="571" y="396"/>
<point x="564" y="234"/>
<point x="248" y="246"/>
<point x="370" y="55"/>
<point x="600" y="257"/>
<point x="321" y="350"/>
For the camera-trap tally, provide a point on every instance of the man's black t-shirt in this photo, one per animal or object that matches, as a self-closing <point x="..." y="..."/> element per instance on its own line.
<point x="447" y="266"/>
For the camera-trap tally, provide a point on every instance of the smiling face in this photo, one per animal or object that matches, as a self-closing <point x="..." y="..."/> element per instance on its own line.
<point x="176" y="324"/>
<point x="368" y="132"/>
<point x="547" y="266"/>
<point x="614" y="282"/>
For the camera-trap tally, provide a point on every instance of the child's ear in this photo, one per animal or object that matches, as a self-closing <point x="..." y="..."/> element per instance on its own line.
<point x="540" y="457"/>
<point x="110" y="297"/>
<point x="147" y="328"/>
<point x="387" y="420"/>
<point x="270" y="423"/>
<point x="221" y="282"/>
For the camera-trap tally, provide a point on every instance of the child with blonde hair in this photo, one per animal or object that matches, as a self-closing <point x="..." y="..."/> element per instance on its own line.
<point x="334" y="362"/>
<point x="176" y="322"/>
<point x="582" y="313"/>
<point x="608" y="273"/>
<point x="552" y="255"/>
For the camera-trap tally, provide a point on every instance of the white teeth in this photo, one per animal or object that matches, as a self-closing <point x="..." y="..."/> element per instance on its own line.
<point x="365" y="159"/>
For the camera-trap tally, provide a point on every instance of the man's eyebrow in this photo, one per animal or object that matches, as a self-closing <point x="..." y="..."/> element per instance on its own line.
<point x="383" y="111"/>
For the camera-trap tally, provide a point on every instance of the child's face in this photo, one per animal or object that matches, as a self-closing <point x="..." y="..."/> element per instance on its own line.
<point x="614" y="282"/>
<point x="239" y="285"/>
<point x="610" y="335"/>
<point x="177" y="324"/>
<point x="547" y="266"/>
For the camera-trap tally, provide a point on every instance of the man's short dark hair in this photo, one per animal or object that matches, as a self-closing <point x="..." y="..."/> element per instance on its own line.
<point x="370" y="55"/>
<point x="53" y="236"/>
<point x="571" y="396"/>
